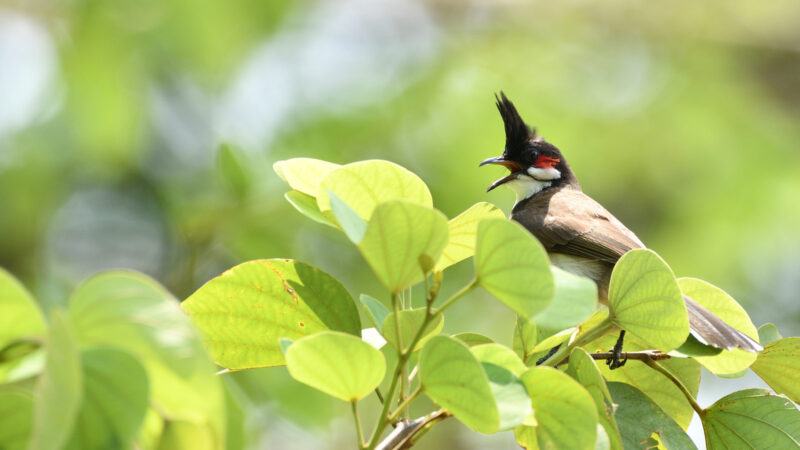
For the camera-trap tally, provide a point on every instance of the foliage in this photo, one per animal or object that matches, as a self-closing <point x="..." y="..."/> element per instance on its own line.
<point x="122" y="365"/>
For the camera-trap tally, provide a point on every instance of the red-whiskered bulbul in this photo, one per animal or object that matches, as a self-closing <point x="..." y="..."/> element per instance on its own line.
<point x="580" y="235"/>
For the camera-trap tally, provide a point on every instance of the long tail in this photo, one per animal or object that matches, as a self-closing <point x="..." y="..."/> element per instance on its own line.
<point x="711" y="330"/>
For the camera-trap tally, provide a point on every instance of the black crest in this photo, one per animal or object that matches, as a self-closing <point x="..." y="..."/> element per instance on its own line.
<point x="518" y="133"/>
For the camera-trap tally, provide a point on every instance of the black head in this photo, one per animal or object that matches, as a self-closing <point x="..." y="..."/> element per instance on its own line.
<point x="526" y="154"/>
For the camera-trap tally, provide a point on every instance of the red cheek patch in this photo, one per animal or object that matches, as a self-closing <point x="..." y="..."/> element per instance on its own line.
<point x="546" y="162"/>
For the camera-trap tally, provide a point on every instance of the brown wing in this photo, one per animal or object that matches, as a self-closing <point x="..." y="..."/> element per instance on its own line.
<point x="568" y="221"/>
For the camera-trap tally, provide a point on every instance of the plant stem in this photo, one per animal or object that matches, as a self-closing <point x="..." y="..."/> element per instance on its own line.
<point x="563" y="352"/>
<point x="402" y="406"/>
<point x="645" y="355"/>
<point x="455" y="297"/>
<point x="405" y="353"/>
<point x="359" y="432"/>
<point x="689" y="397"/>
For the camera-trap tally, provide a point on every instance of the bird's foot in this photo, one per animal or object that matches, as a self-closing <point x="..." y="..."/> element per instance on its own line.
<point x="616" y="361"/>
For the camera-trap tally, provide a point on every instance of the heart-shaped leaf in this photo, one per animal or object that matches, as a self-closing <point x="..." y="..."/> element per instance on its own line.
<point x="639" y="419"/>
<point x="245" y="311"/>
<point x="513" y="266"/>
<point x="402" y="242"/>
<point x="779" y="366"/>
<point x="364" y="185"/>
<point x="58" y="391"/>
<point x="307" y="206"/>
<point x="565" y="413"/>
<point x="131" y="312"/>
<point x="304" y="174"/>
<point x="338" y="364"/>
<point x="453" y="378"/>
<point x="115" y="399"/>
<point x="584" y="370"/>
<point x="725" y="307"/>
<point x="21" y="317"/>
<point x="16" y="409"/>
<point x="473" y="339"/>
<point x="645" y="300"/>
<point x="463" y="230"/>
<point x="752" y="418"/>
<point x="575" y="299"/>
<point x="499" y="355"/>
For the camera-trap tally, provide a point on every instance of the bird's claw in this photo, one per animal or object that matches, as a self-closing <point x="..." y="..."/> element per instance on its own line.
<point x="616" y="361"/>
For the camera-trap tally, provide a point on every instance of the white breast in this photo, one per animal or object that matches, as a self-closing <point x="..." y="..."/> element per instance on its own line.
<point x="589" y="268"/>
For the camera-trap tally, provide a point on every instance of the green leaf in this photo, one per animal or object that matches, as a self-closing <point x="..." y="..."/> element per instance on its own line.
<point x="779" y="365"/>
<point x="376" y="311"/>
<point x="645" y="300"/>
<point x="21" y="316"/>
<point x="402" y="242"/>
<point x="510" y="396"/>
<point x="234" y="174"/>
<point x="304" y="174"/>
<point x="180" y="434"/>
<point x="463" y="231"/>
<point x="338" y="364"/>
<point x="473" y="339"/>
<point x="584" y="370"/>
<point x="725" y="307"/>
<point x="453" y="378"/>
<point x="16" y="409"/>
<point x="243" y="312"/>
<point x="499" y="355"/>
<point x="656" y="386"/>
<point x="131" y="312"/>
<point x="410" y="320"/>
<point x="768" y="333"/>
<point x="364" y="185"/>
<point x="692" y="348"/>
<point x="752" y="418"/>
<point x="552" y="341"/>
<point x="525" y="338"/>
<point x="307" y="206"/>
<point x="115" y="399"/>
<point x="513" y="266"/>
<point x="639" y="419"/>
<point x="58" y="392"/>
<point x="565" y="413"/>
<point x="352" y="225"/>
<point x="574" y="301"/>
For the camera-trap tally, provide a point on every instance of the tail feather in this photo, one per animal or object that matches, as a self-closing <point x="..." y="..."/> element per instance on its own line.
<point x="711" y="330"/>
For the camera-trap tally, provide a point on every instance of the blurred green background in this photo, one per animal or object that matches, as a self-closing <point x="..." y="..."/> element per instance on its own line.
<point x="682" y="118"/>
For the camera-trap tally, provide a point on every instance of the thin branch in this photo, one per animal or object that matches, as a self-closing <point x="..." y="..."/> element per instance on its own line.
<point x="689" y="397"/>
<point x="455" y="297"/>
<point x="645" y="355"/>
<point x="359" y="432"/>
<point x="404" y="404"/>
<point x="406" y="433"/>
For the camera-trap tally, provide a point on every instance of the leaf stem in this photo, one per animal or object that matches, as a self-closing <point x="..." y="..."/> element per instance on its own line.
<point x="592" y="334"/>
<point x="359" y="432"/>
<point x="405" y="353"/>
<point x="457" y="296"/>
<point x="402" y="406"/>
<point x="689" y="397"/>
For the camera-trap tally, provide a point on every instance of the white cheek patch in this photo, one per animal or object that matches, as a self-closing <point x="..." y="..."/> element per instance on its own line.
<point x="525" y="186"/>
<point x="544" y="174"/>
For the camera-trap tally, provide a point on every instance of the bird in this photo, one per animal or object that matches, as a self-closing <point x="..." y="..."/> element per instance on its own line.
<point x="580" y="235"/>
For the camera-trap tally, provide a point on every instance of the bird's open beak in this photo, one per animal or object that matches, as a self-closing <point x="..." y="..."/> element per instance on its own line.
<point x="508" y="164"/>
